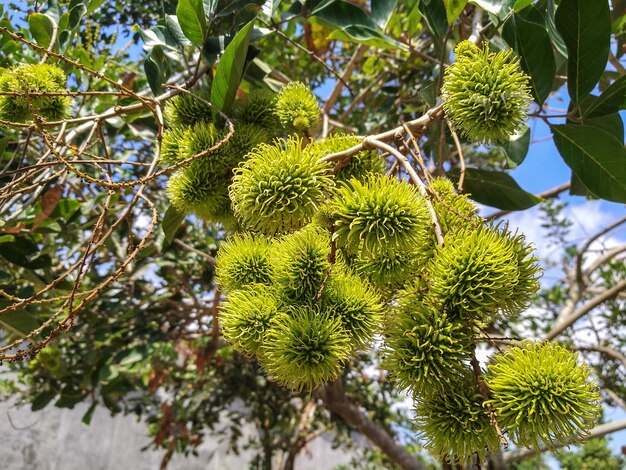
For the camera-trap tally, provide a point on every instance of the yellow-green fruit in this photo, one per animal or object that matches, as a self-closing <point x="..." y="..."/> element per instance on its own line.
<point x="455" y="424"/>
<point x="170" y="145"/>
<point x="350" y="299"/>
<point x="305" y="348"/>
<point x="258" y="108"/>
<point x="187" y="110"/>
<point x="541" y="394"/>
<point x="297" y="107"/>
<point x="243" y="260"/>
<point x="246" y="315"/>
<point x="245" y="138"/>
<point x="486" y="94"/>
<point x="279" y="187"/>
<point x="198" y="189"/>
<point x="379" y="215"/>
<point x="26" y="79"/>
<point x="200" y="138"/>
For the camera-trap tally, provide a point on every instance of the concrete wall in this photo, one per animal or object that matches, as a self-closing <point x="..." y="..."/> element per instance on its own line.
<point x="56" y="439"/>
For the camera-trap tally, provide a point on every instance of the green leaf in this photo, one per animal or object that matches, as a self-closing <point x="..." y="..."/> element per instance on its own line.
<point x="596" y="156"/>
<point x="342" y="14"/>
<point x="171" y="223"/>
<point x="19" y="322"/>
<point x="41" y="400"/>
<point x="382" y="11"/>
<point x="454" y="9"/>
<point x="532" y="43"/>
<point x="500" y="8"/>
<point x="585" y="26"/>
<point x="156" y="67"/>
<point x="192" y="20"/>
<point x="496" y="189"/>
<point x="516" y="148"/>
<point x="434" y="12"/>
<point x="25" y="253"/>
<point x="365" y="35"/>
<point x="41" y="28"/>
<point x="6" y="238"/>
<point x="521" y="4"/>
<point x="612" y="100"/>
<point x="89" y="414"/>
<point x="230" y="69"/>
<point x="557" y="40"/>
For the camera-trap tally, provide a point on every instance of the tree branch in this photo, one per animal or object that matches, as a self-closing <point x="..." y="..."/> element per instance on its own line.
<point x="598" y="431"/>
<point x="336" y="401"/>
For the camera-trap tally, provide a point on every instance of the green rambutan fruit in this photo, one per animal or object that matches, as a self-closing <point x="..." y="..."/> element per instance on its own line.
<point x="356" y="304"/>
<point x="379" y="215"/>
<point x="455" y="423"/>
<point x="453" y="210"/>
<point x="35" y="78"/>
<point x="258" y="108"/>
<point x="528" y="274"/>
<point x="297" y="108"/>
<point x="200" y="137"/>
<point x="301" y="262"/>
<point x="359" y="166"/>
<point x="279" y="187"/>
<point x="305" y="348"/>
<point x="242" y="260"/>
<point x="486" y="94"/>
<point x="187" y="110"/>
<point x="197" y="189"/>
<point x="541" y="394"/>
<point x="170" y="145"/>
<point x="474" y="273"/>
<point x="245" y="138"/>
<point x="389" y="271"/>
<point x="425" y="349"/>
<point x="246" y="315"/>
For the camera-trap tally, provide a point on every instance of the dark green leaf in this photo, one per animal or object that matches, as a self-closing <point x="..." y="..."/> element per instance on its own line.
<point x="597" y="158"/>
<point x="364" y="35"/>
<point x="517" y="147"/>
<point x="577" y="188"/>
<point x="532" y="43"/>
<point x="41" y="400"/>
<point x="19" y="322"/>
<point x="612" y="100"/>
<point x="173" y="27"/>
<point x="611" y="123"/>
<point x="171" y="223"/>
<point x="381" y="11"/>
<point x="557" y="40"/>
<point x="76" y="14"/>
<point x="192" y="20"/>
<point x="454" y="9"/>
<point x="156" y="67"/>
<point x="41" y="28"/>
<point x="342" y="14"/>
<point x="230" y="69"/>
<point x="434" y="12"/>
<point x="521" y="4"/>
<point x="89" y="414"/>
<point x="585" y="26"/>
<point x="496" y="189"/>
<point x="25" y="253"/>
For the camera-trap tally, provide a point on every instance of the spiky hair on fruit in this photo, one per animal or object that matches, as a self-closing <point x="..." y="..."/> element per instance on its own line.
<point x="359" y="166"/>
<point x="245" y="138"/>
<point x="36" y="78"/>
<point x="389" y="271"/>
<point x="201" y="137"/>
<point x="425" y="349"/>
<point x="242" y="260"/>
<point x="187" y="110"/>
<point x="455" y="424"/>
<point x="246" y="315"/>
<point x="379" y="215"/>
<point x="301" y="263"/>
<point x="541" y="394"/>
<point x="305" y="348"/>
<point x="258" y="108"/>
<point x="474" y="273"/>
<point x="453" y="210"/>
<point x="486" y="94"/>
<point x="297" y="108"/>
<point x="279" y="187"/>
<point x="198" y="189"/>
<point x="347" y="297"/>
<point x="170" y="145"/>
